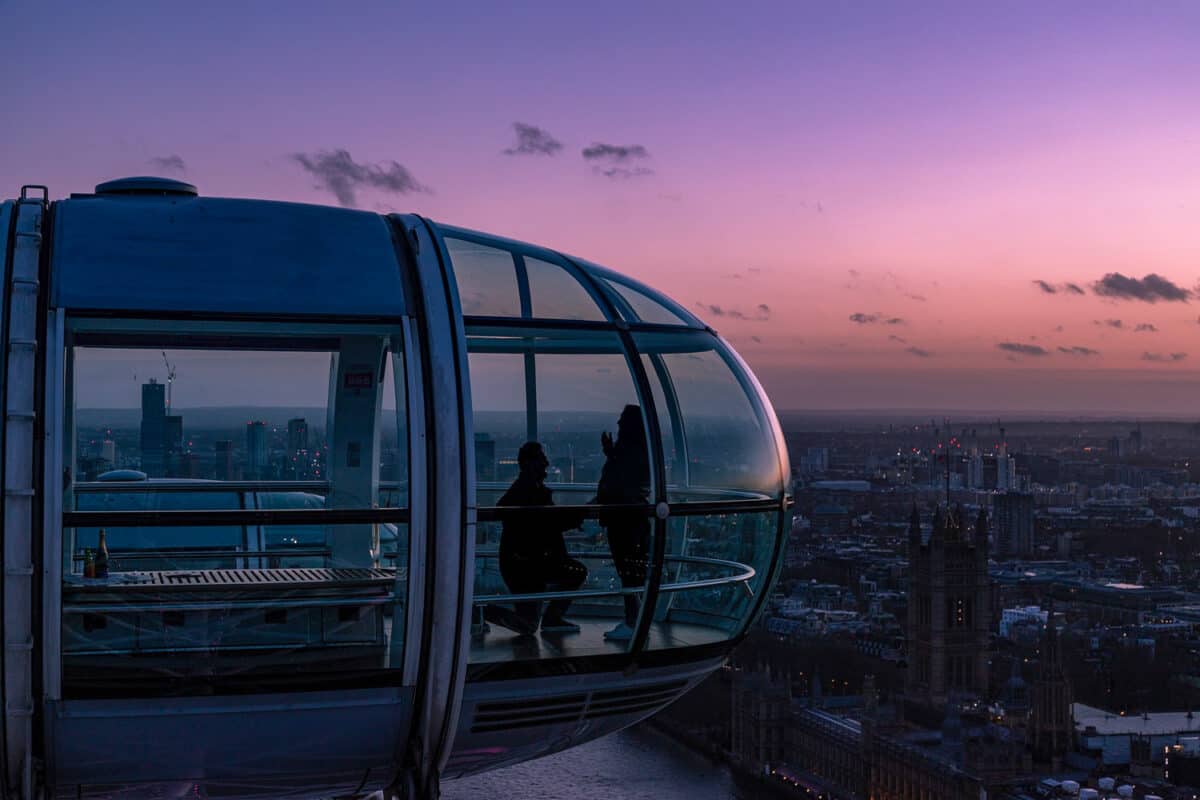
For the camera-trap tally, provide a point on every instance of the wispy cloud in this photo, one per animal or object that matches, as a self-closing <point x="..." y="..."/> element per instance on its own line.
<point x="1079" y="350"/>
<point x="336" y="171"/>
<point x="1150" y="289"/>
<point x="1145" y="327"/>
<point x="1056" y="288"/>
<point x="860" y="318"/>
<point x="617" y="160"/>
<point x="1164" y="358"/>
<point x="894" y="338"/>
<point x="1109" y="323"/>
<point x="761" y="312"/>
<point x="615" y="152"/>
<point x="533" y="141"/>
<point x="919" y="352"/>
<point x="624" y="172"/>
<point x="1021" y="349"/>
<point x="171" y="163"/>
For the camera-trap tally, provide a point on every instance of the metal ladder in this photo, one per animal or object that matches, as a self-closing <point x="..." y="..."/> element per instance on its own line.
<point x="20" y="491"/>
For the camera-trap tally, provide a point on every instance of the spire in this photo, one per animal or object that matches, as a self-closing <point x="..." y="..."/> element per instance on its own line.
<point x="1051" y="664"/>
<point x="981" y="526"/>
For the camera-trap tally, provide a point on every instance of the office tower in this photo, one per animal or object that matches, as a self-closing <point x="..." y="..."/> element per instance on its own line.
<point x="485" y="457"/>
<point x="256" y="450"/>
<point x="1014" y="524"/>
<point x="223" y="460"/>
<point x="948" y="609"/>
<point x="297" y="435"/>
<point x="153" y="430"/>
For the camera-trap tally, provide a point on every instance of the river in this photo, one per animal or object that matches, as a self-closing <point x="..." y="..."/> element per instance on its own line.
<point x="636" y="764"/>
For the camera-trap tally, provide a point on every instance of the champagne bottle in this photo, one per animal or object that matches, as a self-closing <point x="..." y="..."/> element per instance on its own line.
<point x="102" y="557"/>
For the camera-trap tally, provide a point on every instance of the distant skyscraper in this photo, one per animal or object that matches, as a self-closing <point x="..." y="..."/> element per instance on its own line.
<point x="1014" y="524"/>
<point x="153" y="430"/>
<point x="223" y="458"/>
<point x="256" y="450"/>
<point x="297" y="435"/>
<point x="173" y="433"/>
<point x="485" y="457"/>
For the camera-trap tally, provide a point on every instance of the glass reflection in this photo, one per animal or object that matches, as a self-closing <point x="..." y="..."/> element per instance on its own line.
<point x="730" y="447"/>
<point x="714" y="550"/>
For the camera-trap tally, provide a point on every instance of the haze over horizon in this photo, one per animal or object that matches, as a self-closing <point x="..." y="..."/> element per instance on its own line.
<point x="886" y="206"/>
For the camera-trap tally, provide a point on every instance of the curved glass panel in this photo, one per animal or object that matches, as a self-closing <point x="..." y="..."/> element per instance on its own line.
<point x="555" y="294"/>
<point x="564" y="494"/>
<point x="487" y="279"/>
<point x="638" y="306"/>
<point x="730" y="446"/>
<point x="716" y="565"/>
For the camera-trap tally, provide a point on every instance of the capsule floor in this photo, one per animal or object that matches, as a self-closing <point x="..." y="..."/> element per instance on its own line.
<point x="499" y="644"/>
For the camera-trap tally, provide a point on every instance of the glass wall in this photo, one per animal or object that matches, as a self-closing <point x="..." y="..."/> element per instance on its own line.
<point x="237" y="507"/>
<point x="721" y="454"/>
<point x="577" y="424"/>
<point x="560" y="434"/>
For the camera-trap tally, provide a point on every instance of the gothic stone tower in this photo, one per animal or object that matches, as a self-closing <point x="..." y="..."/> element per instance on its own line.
<point x="1051" y="724"/>
<point x="948" y="609"/>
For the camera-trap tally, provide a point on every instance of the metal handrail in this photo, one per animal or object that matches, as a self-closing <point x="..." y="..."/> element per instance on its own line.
<point x="199" y="485"/>
<point x="744" y="576"/>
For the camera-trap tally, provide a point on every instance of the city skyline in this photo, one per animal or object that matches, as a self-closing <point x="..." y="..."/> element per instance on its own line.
<point x="931" y="203"/>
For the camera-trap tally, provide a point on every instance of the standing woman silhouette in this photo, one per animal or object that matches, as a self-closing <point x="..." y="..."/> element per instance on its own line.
<point x="625" y="480"/>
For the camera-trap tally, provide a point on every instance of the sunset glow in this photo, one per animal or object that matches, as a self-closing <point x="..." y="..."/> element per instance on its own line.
<point x="880" y="205"/>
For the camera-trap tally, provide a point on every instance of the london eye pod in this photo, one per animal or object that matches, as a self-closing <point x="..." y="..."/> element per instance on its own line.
<point x="315" y="581"/>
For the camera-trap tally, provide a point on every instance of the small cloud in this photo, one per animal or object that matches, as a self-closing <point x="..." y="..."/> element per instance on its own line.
<point x="860" y="318"/>
<point x="1109" y="323"/>
<point x="756" y="339"/>
<point x="339" y="173"/>
<point x="600" y="151"/>
<point x="1055" y="288"/>
<point x="617" y="157"/>
<point x="1058" y="328"/>
<point x="1164" y="358"/>
<point x="171" y="163"/>
<point x="1078" y="350"/>
<point x="894" y="338"/>
<point x="918" y="352"/>
<point x="1018" y="348"/>
<point x="624" y="173"/>
<point x="761" y="312"/>
<point x="920" y="298"/>
<point x="533" y="141"/>
<point x="1145" y="327"/>
<point x="1149" y="289"/>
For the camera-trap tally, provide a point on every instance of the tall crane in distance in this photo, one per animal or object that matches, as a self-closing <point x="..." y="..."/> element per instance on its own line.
<point x="170" y="379"/>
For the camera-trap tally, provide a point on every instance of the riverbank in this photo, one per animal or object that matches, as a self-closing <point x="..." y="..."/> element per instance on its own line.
<point x="705" y="747"/>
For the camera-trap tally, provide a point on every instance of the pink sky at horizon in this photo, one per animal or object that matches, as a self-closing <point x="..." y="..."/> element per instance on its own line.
<point x="824" y="161"/>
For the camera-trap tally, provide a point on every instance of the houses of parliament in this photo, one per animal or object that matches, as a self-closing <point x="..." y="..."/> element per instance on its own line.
<point x="937" y="737"/>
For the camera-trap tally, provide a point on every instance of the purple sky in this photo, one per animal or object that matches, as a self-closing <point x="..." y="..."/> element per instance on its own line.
<point x="890" y="180"/>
